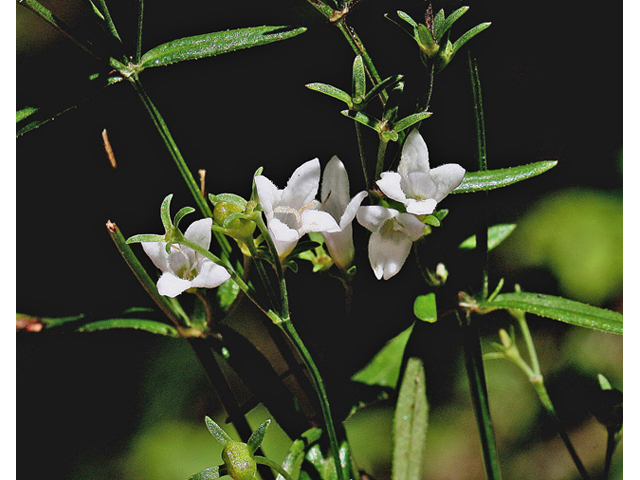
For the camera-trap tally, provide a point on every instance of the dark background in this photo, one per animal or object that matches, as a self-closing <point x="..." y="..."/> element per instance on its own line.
<point x="551" y="80"/>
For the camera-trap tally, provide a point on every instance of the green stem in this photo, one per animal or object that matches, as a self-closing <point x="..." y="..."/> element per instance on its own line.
<point x="271" y="464"/>
<point x="207" y="307"/>
<point x="363" y="161"/>
<point x="479" y="396"/>
<point x="58" y="24"/>
<point x="382" y="150"/>
<point x="482" y="229"/>
<point x="140" y="13"/>
<point x="262" y="273"/>
<point x="174" y="151"/>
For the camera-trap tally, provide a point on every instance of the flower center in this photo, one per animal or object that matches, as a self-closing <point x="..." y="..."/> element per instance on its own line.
<point x="187" y="270"/>
<point x="286" y="210"/>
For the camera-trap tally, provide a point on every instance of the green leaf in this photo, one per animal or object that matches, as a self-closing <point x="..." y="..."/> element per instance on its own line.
<point x="497" y="234"/>
<point x="362" y="118"/>
<point x="492" y="179"/>
<point x="558" y="308"/>
<point x="410" y="120"/>
<point x="457" y="45"/>
<point x="438" y="22"/>
<point x="31" y="323"/>
<point x="227" y="293"/>
<point x="446" y="24"/>
<point x="212" y="473"/>
<point x="384" y="368"/>
<point x="410" y="423"/>
<point x="228" y="198"/>
<point x="165" y="212"/>
<point x="359" y="77"/>
<point x="257" y="436"/>
<point x="218" y="433"/>
<point x="216" y="43"/>
<point x="404" y="16"/>
<point x="146" y="237"/>
<point x="181" y="214"/>
<point x="150" y="326"/>
<point x="424" y="307"/>
<point x="25" y="113"/>
<point x="295" y="456"/>
<point x="332" y="92"/>
<point x="384" y="84"/>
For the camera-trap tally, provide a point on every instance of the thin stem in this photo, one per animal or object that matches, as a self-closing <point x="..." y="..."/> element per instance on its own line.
<point x="482" y="228"/>
<point x="140" y="12"/>
<point x="207" y="307"/>
<point x="107" y="17"/>
<point x="174" y="151"/>
<point x="262" y="273"/>
<point x="479" y="396"/>
<point x="528" y="339"/>
<point x="58" y="24"/>
<point x="382" y="149"/>
<point x="363" y="161"/>
<point x="612" y="442"/>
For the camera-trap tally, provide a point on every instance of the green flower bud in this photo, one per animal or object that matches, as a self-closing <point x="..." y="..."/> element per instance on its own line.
<point x="239" y="461"/>
<point x="229" y="216"/>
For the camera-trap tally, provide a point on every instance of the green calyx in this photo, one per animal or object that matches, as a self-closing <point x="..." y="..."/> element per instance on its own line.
<point x="233" y="214"/>
<point x="239" y="461"/>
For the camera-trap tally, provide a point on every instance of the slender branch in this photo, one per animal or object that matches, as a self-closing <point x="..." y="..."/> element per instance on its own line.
<point x="140" y="13"/>
<point x="365" y="171"/>
<point x="479" y="396"/>
<point x="382" y="150"/>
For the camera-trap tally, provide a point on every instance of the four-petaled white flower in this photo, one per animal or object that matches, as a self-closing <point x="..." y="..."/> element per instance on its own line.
<point x="335" y="200"/>
<point x="392" y="235"/>
<point x="415" y="185"/>
<point x="184" y="268"/>
<point x="293" y="211"/>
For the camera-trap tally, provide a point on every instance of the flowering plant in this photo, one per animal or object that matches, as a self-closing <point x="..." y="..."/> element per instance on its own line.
<point x="358" y="359"/>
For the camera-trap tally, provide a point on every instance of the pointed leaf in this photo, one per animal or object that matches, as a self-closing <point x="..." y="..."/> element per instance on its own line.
<point x="405" y="16"/>
<point x="150" y="326"/>
<point x="256" y="437"/>
<point x="383" y="85"/>
<point x="212" y="473"/>
<point x="165" y="212"/>
<point x="492" y="179"/>
<point x="449" y="21"/>
<point x="410" y="424"/>
<point x="332" y="92"/>
<point x="438" y="24"/>
<point x="216" y="43"/>
<point x="410" y="120"/>
<point x="218" y="433"/>
<point x="468" y="36"/>
<point x="181" y="214"/>
<point x="359" y="77"/>
<point x="497" y="234"/>
<point x="558" y="308"/>
<point x="146" y="237"/>
<point x="227" y="293"/>
<point x="362" y="118"/>
<point x="384" y="368"/>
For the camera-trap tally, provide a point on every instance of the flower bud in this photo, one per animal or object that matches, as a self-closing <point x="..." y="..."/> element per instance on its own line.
<point x="239" y="461"/>
<point x="228" y="216"/>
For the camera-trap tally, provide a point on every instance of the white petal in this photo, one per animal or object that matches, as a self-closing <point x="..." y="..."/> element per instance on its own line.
<point x="372" y="217"/>
<point x="391" y="185"/>
<point x="268" y="194"/>
<point x="411" y="226"/>
<point x="447" y="178"/>
<point x="284" y="238"/>
<point x="418" y="185"/>
<point x="181" y="259"/>
<point x="158" y="254"/>
<point x="352" y="208"/>
<point x="317" y="221"/>
<point x="303" y="185"/>
<point x="340" y="246"/>
<point x="415" y="156"/>
<point x="421" y="207"/>
<point x="210" y="275"/>
<point x="334" y="194"/>
<point x="171" y="286"/>
<point x="387" y="253"/>
<point x="199" y="232"/>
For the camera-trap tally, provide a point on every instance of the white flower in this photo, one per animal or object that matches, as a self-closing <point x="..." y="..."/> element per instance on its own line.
<point x="293" y="211"/>
<point x="335" y="200"/>
<point x="185" y="268"/>
<point x="414" y="184"/>
<point x="392" y="235"/>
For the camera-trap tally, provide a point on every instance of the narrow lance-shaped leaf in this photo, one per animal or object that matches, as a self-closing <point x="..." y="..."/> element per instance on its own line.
<point x="362" y="118"/>
<point x="150" y="326"/>
<point x="218" y="433"/>
<point x="384" y="368"/>
<point x="216" y="43"/>
<point x="492" y="179"/>
<point x="257" y="436"/>
<point x="359" y="77"/>
<point x="450" y="20"/>
<point x="410" y="424"/>
<point x="332" y="92"/>
<point x="497" y="234"/>
<point x="558" y="308"/>
<point x="410" y="120"/>
<point x="457" y="45"/>
<point x="212" y="473"/>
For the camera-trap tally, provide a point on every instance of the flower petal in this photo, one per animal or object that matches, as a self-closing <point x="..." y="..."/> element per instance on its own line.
<point x="210" y="275"/>
<point x="334" y="194"/>
<point x="199" y="232"/>
<point x="171" y="286"/>
<point x="372" y="217"/>
<point x="421" y="207"/>
<point x="352" y="208"/>
<point x="391" y="185"/>
<point x="158" y="254"/>
<point x="415" y="156"/>
<point x="447" y="178"/>
<point x="388" y="252"/>
<point x="411" y="226"/>
<point x="303" y="185"/>
<point x="340" y="246"/>
<point x="268" y="194"/>
<point x="317" y="221"/>
<point x="284" y="238"/>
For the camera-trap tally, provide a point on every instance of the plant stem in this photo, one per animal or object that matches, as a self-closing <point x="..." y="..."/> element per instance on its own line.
<point x="479" y="396"/>
<point x="382" y="149"/>
<point x="363" y="161"/>
<point x="482" y="229"/>
<point x="140" y="11"/>
<point x="174" y="151"/>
